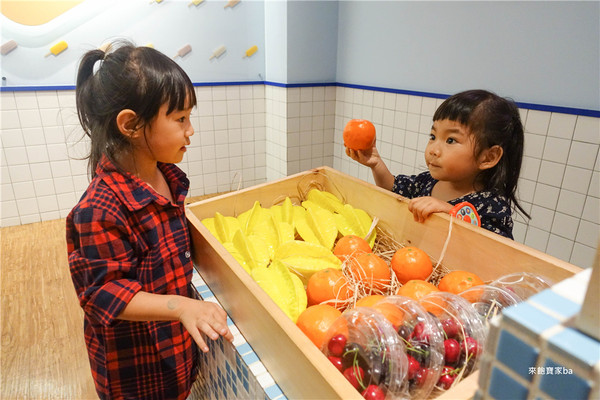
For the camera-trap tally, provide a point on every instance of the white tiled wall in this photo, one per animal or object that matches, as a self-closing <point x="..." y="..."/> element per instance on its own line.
<point x="249" y="134"/>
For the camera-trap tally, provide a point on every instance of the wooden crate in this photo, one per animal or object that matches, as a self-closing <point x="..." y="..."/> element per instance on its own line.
<point x="298" y="367"/>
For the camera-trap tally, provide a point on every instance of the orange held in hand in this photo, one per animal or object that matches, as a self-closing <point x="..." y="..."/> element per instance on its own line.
<point x="359" y="134"/>
<point x="351" y="246"/>
<point x="411" y="263"/>
<point x="329" y="285"/>
<point x="316" y="320"/>
<point x="458" y="281"/>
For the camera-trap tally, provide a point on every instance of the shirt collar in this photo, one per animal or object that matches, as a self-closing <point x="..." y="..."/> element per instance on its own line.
<point x="137" y="194"/>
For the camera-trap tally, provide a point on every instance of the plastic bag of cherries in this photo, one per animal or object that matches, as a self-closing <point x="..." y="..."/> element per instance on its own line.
<point x="464" y="335"/>
<point x="522" y="284"/>
<point x="365" y="348"/>
<point x="489" y="301"/>
<point x="424" y="343"/>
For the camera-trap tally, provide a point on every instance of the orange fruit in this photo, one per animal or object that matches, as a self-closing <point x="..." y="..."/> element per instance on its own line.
<point x="416" y="289"/>
<point x="411" y="263"/>
<point x="369" y="301"/>
<point x="359" y="134"/>
<point x="351" y="245"/>
<point x="458" y="281"/>
<point x="316" y="320"/>
<point x="327" y="284"/>
<point x="371" y="270"/>
<point x="392" y="313"/>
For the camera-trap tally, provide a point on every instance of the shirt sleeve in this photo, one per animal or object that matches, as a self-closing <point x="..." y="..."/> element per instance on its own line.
<point x="102" y="263"/>
<point x="405" y="185"/>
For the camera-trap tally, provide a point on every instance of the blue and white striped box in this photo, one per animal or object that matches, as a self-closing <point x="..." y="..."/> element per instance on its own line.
<point x="534" y="350"/>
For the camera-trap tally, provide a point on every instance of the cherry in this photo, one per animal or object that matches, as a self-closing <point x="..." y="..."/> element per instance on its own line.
<point x="377" y="369"/>
<point x="355" y="376"/>
<point x="373" y="392"/>
<point x="413" y="366"/>
<point x="447" y="378"/>
<point x="450" y="327"/>
<point x="420" y="351"/>
<point x="404" y="332"/>
<point x="452" y="350"/>
<point x="420" y="332"/>
<point x="336" y="345"/>
<point x="470" y="346"/>
<point x="421" y="376"/>
<point x="337" y="362"/>
<point x="354" y="354"/>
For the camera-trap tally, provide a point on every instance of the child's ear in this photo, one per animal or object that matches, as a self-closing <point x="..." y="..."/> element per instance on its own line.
<point x="490" y="157"/>
<point x="126" y="122"/>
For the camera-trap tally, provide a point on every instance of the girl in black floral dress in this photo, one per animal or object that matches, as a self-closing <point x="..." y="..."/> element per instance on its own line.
<point x="474" y="154"/>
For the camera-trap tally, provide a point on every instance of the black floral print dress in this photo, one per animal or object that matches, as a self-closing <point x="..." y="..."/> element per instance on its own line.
<point x="493" y="209"/>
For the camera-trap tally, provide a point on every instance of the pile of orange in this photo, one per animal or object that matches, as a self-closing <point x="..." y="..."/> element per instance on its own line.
<point x="371" y="271"/>
<point x="328" y="285"/>
<point x="411" y="263"/>
<point x="350" y="246"/>
<point x="316" y="320"/>
<point x="329" y="290"/>
<point x="458" y="281"/>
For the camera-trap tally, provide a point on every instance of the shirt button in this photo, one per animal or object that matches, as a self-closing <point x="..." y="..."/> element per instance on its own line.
<point x="187" y="254"/>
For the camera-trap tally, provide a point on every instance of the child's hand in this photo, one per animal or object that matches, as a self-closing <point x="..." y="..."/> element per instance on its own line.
<point x="205" y="317"/>
<point x="422" y="207"/>
<point x="369" y="157"/>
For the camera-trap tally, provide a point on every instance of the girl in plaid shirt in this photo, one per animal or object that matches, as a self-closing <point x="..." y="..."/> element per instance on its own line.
<point x="474" y="154"/>
<point x="128" y="243"/>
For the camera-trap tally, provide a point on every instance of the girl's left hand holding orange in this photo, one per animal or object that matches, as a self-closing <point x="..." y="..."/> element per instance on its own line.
<point x="422" y="207"/>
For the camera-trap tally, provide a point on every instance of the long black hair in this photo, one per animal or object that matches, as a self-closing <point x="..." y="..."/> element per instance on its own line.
<point x="125" y="77"/>
<point x="493" y="120"/>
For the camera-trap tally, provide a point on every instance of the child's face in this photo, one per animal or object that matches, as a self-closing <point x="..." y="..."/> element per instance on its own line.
<point x="450" y="153"/>
<point x="168" y="135"/>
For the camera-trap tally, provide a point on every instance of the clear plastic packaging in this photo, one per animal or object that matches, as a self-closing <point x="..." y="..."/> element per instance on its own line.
<point x="366" y="349"/>
<point x="489" y="301"/>
<point x="464" y="333"/>
<point x="424" y="343"/>
<point x="522" y="284"/>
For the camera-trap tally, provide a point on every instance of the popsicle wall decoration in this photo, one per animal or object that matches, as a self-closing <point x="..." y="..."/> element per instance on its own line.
<point x="58" y="48"/>
<point x="195" y="3"/>
<point x="8" y="47"/>
<point x="218" y="52"/>
<point x="231" y="3"/>
<point x="183" y="51"/>
<point x="250" y="52"/>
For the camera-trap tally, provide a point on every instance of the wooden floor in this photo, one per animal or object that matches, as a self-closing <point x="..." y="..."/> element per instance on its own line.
<point x="42" y="353"/>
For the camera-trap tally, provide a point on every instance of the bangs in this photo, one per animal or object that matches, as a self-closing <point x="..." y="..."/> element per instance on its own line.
<point x="462" y="107"/>
<point x="165" y="82"/>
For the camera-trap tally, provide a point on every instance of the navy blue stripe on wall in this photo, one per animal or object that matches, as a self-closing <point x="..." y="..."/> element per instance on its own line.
<point x="529" y="106"/>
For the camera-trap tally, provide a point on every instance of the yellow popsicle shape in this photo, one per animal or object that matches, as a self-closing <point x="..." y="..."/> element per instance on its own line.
<point x="195" y="2"/>
<point x="58" y="48"/>
<point x="251" y="51"/>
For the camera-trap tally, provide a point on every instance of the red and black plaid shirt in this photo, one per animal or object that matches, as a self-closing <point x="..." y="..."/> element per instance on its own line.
<point x="122" y="237"/>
